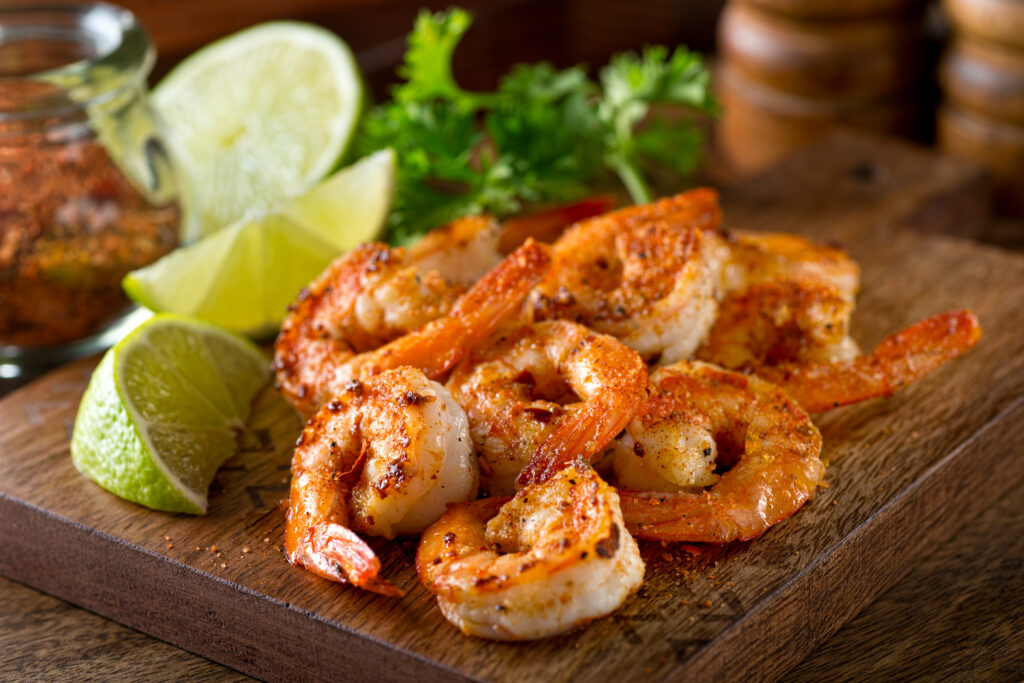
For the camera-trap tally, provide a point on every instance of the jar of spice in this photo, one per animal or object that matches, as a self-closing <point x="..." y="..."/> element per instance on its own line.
<point x="87" y="189"/>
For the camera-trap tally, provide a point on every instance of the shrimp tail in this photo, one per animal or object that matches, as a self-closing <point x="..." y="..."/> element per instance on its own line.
<point x="339" y="554"/>
<point x="900" y="359"/>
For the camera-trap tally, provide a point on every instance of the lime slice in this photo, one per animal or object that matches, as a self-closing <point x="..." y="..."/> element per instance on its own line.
<point x="164" y="410"/>
<point x="258" y="117"/>
<point x="243" y="277"/>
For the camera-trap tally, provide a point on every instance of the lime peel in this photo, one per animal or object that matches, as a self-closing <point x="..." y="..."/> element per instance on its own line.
<point x="153" y="427"/>
<point x="243" y="277"/>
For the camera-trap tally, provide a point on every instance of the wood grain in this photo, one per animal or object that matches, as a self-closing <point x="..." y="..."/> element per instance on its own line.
<point x="43" y="638"/>
<point x="896" y="467"/>
<point x="956" y="616"/>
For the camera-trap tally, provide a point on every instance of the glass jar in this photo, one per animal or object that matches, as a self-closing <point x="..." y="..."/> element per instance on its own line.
<point x="87" y="189"/>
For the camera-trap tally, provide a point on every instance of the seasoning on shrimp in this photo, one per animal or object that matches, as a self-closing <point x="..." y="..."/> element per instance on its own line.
<point x="374" y="462"/>
<point x="645" y="275"/>
<point x="318" y="351"/>
<point x="700" y="417"/>
<point x="553" y="558"/>
<point x="553" y="391"/>
<point x="900" y="359"/>
<point x="784" y="299"/>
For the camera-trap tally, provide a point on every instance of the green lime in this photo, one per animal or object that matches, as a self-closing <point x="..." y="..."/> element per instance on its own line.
<point x="164" y="410"/>
<point x="258" y="117"/>
<point x="244" y="276"/>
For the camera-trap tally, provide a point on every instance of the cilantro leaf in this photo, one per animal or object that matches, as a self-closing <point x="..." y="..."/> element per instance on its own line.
<point x="545" y="135"/>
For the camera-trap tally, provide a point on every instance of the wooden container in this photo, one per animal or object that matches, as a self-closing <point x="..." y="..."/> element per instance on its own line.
<point x="984" y="78"/>
<point x="760" y="126"/>
<point x="997" y="145"/>
<point x="838" y="9"/>
<point x="998" y="20"/>
<point x="855" y="59"/>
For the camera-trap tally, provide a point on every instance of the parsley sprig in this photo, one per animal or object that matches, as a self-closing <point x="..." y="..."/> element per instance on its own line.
<point x="544" y="135"/>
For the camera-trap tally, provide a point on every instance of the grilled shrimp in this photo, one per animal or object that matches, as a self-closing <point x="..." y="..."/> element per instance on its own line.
<point x="553" y="391"/>
<point x="385" y="457"/>
<point x="784" y="299"/>
<point x="645" y="275"/>
<point x="700" y="416"/>
<point x="553" y="558"/>
<point x="315" y="357"/>
<point x="900" y="359"/>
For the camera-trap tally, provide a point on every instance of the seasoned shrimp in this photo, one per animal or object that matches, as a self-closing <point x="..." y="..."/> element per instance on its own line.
<point x="554" y="389"/>
<point x="697" y="414"/>
<point x="385" y="457"/>
<point x="899" y="360"/>
<point x="314" y="356"/>
<point x="645" y="275"/>
<point x="784" y="298"/>
<point x="553" y="558"/>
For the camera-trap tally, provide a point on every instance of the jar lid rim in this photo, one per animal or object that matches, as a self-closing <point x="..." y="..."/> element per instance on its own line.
<point x="124" y="54"/>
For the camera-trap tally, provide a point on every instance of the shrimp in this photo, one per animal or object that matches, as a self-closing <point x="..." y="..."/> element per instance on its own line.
<point x="784" y="298"/>
<point x="554" y="389"/>
<point x="314" y="356"/>
<point x="385" y="457"/>
<point x="645" y="275"/>
<point x="553" y="558"/>
<point x="696" y="413"/>
<point x="899" y="360"/>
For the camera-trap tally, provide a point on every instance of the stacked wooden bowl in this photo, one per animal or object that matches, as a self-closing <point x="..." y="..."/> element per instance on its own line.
<point x="790" y="70"/>
<point x="982" y="78"/>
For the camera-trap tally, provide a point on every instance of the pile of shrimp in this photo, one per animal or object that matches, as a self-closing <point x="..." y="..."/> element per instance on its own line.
<point x="530" y="409"/>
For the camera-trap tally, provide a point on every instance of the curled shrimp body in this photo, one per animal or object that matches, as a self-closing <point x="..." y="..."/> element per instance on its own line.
<point x="553" y="558"/>
<point x="314" y="355"/>
<point x="900" y="359"/>
<point x="552" y="390"/>
<point x="698" y="413"/>
<point x="383" y="458"/>
<point x="645" y="275"/>
<point x="784" y="299"/>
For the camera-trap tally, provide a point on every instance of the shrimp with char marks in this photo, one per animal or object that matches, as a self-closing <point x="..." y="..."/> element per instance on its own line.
<point x="551" y="391"/>
<point x="699" y="414"/>
<point x="314" y="359"/>
<point x="385" y="457"/>
<point x="784" y="299"/>
<point x="553" y="558"/>
<point x="645" y="275"/>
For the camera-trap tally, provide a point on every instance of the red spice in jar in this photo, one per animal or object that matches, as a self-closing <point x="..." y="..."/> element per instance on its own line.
<point x="71" y="227"/>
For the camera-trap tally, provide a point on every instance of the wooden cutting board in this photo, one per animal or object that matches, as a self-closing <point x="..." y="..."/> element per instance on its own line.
<point x="904" y="473"/>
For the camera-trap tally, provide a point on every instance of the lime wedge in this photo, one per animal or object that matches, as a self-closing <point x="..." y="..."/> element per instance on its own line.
<point x="163" y="411"/>
<point x="243" y="277"/>
<point x="258" y="117"/>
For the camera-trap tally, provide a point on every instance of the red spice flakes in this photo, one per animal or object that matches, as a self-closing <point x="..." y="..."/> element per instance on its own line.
<point x="706" y="603"/>
<point x="170" y="545"/>
<point x="72" y="227"/>
<point x="245" y="549"/>
<point x="213" y="548"/>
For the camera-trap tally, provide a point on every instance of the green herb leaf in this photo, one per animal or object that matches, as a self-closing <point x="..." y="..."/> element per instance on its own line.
<point x="545" y="135"/>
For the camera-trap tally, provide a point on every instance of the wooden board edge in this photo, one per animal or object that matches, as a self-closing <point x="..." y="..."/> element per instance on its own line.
<point x="217" y="619"/>
<point x="981" y="463"/>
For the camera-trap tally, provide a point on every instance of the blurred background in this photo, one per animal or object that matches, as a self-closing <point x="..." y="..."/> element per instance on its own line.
<point x="949" y="74"/>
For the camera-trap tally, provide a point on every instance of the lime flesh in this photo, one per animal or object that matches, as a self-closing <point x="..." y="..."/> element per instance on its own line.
<point x="258" y="117"/>
<point x="164" y="410"/>
<point x="243" y="277"/>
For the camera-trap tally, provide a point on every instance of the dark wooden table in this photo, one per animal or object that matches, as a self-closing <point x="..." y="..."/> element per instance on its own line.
<point x="958" y="615"/>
